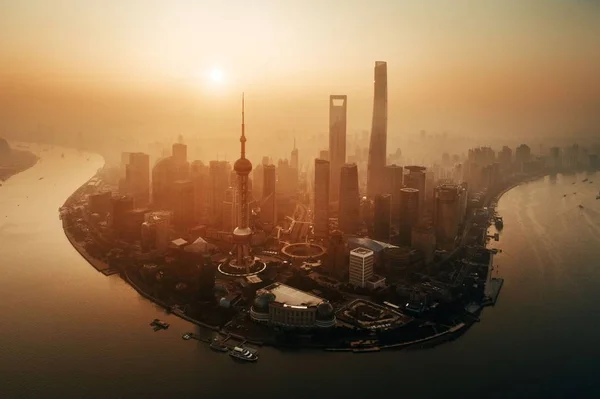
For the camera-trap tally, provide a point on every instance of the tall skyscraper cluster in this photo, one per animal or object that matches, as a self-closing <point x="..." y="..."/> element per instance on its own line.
<point x="343" y="181"/>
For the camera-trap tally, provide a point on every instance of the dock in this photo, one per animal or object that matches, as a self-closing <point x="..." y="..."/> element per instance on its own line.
<point x="492" y="291"/>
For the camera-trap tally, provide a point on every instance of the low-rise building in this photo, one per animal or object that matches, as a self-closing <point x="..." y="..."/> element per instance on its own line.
<point x="284" y="306"/>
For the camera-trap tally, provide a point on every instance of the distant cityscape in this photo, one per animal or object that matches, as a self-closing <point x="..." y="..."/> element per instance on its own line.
<point x="357" y="252"/>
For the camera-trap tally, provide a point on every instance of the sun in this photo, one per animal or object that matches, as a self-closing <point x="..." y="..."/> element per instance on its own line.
<point x="216" y="75"/>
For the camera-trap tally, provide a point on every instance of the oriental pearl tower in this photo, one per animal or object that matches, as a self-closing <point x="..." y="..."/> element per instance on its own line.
<point x="242" y="234"/>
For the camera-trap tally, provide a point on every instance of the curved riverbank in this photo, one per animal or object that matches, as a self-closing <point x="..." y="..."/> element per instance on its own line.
<point x="16" y="161"/>
<point x="70" y="332"/>
<point x="405" y="339"/>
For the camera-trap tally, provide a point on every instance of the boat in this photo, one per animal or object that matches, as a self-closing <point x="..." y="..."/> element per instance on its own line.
<point x="242" y="353"/>
<point x="580" y="206"/>
<point x="160" y="324"/>
<point x="584" y="180"/>
<point x="187" y="336"/>
<point x="218" y="346"/>
<point x="499" y="222"/>
<point x="565" y="195"/>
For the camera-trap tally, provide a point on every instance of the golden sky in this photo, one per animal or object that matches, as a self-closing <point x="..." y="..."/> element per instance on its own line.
<point x="144" y="66"/>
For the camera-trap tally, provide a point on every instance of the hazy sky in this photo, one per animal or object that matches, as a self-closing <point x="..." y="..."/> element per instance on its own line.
<point x="143" y="66"/>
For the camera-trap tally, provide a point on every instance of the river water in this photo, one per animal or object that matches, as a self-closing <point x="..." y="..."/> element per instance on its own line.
<point x="68" y="331"/>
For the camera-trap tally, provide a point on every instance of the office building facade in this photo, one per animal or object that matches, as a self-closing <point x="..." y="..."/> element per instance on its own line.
<point x="349" y="200"/>
<point x="321" y="207"/>
<point x="360" y="268"/>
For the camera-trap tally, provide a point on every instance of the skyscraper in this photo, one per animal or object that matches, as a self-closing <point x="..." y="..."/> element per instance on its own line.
<point x="287" y="179"/>
<point x="416" y="178"/>
<point x="163" y="177"/>
<point x="230" y="209"/>
<point x="378" y="142"/>
<point x="199" y="177"/>
<point x="337" y="141"/>
<point x="183" y="204"/>
<point x="446" y="214"/>
<point x="423" y="240"/>
<point x="337" y="255"/>
<point x="180" y="152"/>
<point x="294" y="158"/>
<point x="181" y="164"/>
<point x="268" y="209"/>
<point x="218" y="182"/>
<point x="258" y="176"/>
<point x="137" y="177"/>
<point x="409" y="214"/>
<point x="321" y="209"/>
<point x="242" y="234"/>
<point x="383" y="203"/>
<point x="349" y="206"/>
<point x="394" y="182"/>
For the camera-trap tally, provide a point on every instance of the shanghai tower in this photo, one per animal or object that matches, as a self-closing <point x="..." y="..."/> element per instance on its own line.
<point x="378" y="142"/>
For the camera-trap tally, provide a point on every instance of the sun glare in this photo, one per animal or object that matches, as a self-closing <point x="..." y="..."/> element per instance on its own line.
<point x="216" y="75"/>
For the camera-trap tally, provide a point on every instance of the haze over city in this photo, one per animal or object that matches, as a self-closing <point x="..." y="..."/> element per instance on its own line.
<point x="187" y="187"/>
<point x="152" y="69"/>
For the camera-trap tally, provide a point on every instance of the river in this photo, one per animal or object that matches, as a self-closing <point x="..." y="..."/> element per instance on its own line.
<point x="68" y="331"/>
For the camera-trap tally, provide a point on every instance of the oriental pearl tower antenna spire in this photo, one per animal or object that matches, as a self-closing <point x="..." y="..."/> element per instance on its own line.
<point x="243" y="137"/>
<point x="242" y="235"/>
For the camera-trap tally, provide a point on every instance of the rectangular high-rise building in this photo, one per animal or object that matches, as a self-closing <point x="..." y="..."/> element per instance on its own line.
<point x="287" y="179"/>
<point x="337" y="141"/>
<point x="378" y="141"/>
<point x="349" y="203"/>
<point x="137" y="178"/>
<point x="294" y="162"/>
<point x="382" y="219"/>
<point x="200" y="178"/>
<point x="258" y="176"/>
<point x="268" y="209"/>
<point x="183" y="204"/>
<point x="361" y="266"/>
<point x="218" y="182"/>
<point x="447" y="214"/>
<point x="394" y="182"/>
<point x="230" y="209"/>
<point x="417" y="178"/>
<point x="321" y="209"/>
<point x="409" y="214"/>
<point x="180" y="152"/>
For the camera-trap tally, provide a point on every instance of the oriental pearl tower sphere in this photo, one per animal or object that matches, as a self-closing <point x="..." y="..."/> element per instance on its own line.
<point x="242" y="234"/>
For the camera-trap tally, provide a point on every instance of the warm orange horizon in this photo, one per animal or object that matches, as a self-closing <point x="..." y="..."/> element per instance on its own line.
<point x="151" y="68"/>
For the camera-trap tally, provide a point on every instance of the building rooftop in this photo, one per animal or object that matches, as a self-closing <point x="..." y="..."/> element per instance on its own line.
<point x="291" y="296"/>
<point x="368" y="243"/>
<point x="362" y="252"/>
<point x="179" y="242"/>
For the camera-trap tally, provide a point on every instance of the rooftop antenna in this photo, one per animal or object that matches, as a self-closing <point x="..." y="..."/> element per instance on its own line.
<point x="243" y="137"/>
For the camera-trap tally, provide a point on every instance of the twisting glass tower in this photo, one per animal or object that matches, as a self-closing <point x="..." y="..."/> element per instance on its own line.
<point x="242" y="234"/>
<point x="378" y="143"/>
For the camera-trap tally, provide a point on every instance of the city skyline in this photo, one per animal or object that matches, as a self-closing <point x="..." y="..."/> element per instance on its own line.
<point x="451" y="67"/>
<point x="419" y="183"/>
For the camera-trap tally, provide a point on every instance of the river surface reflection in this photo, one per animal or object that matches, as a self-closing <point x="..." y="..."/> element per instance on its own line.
<point x="68" y="331"/>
